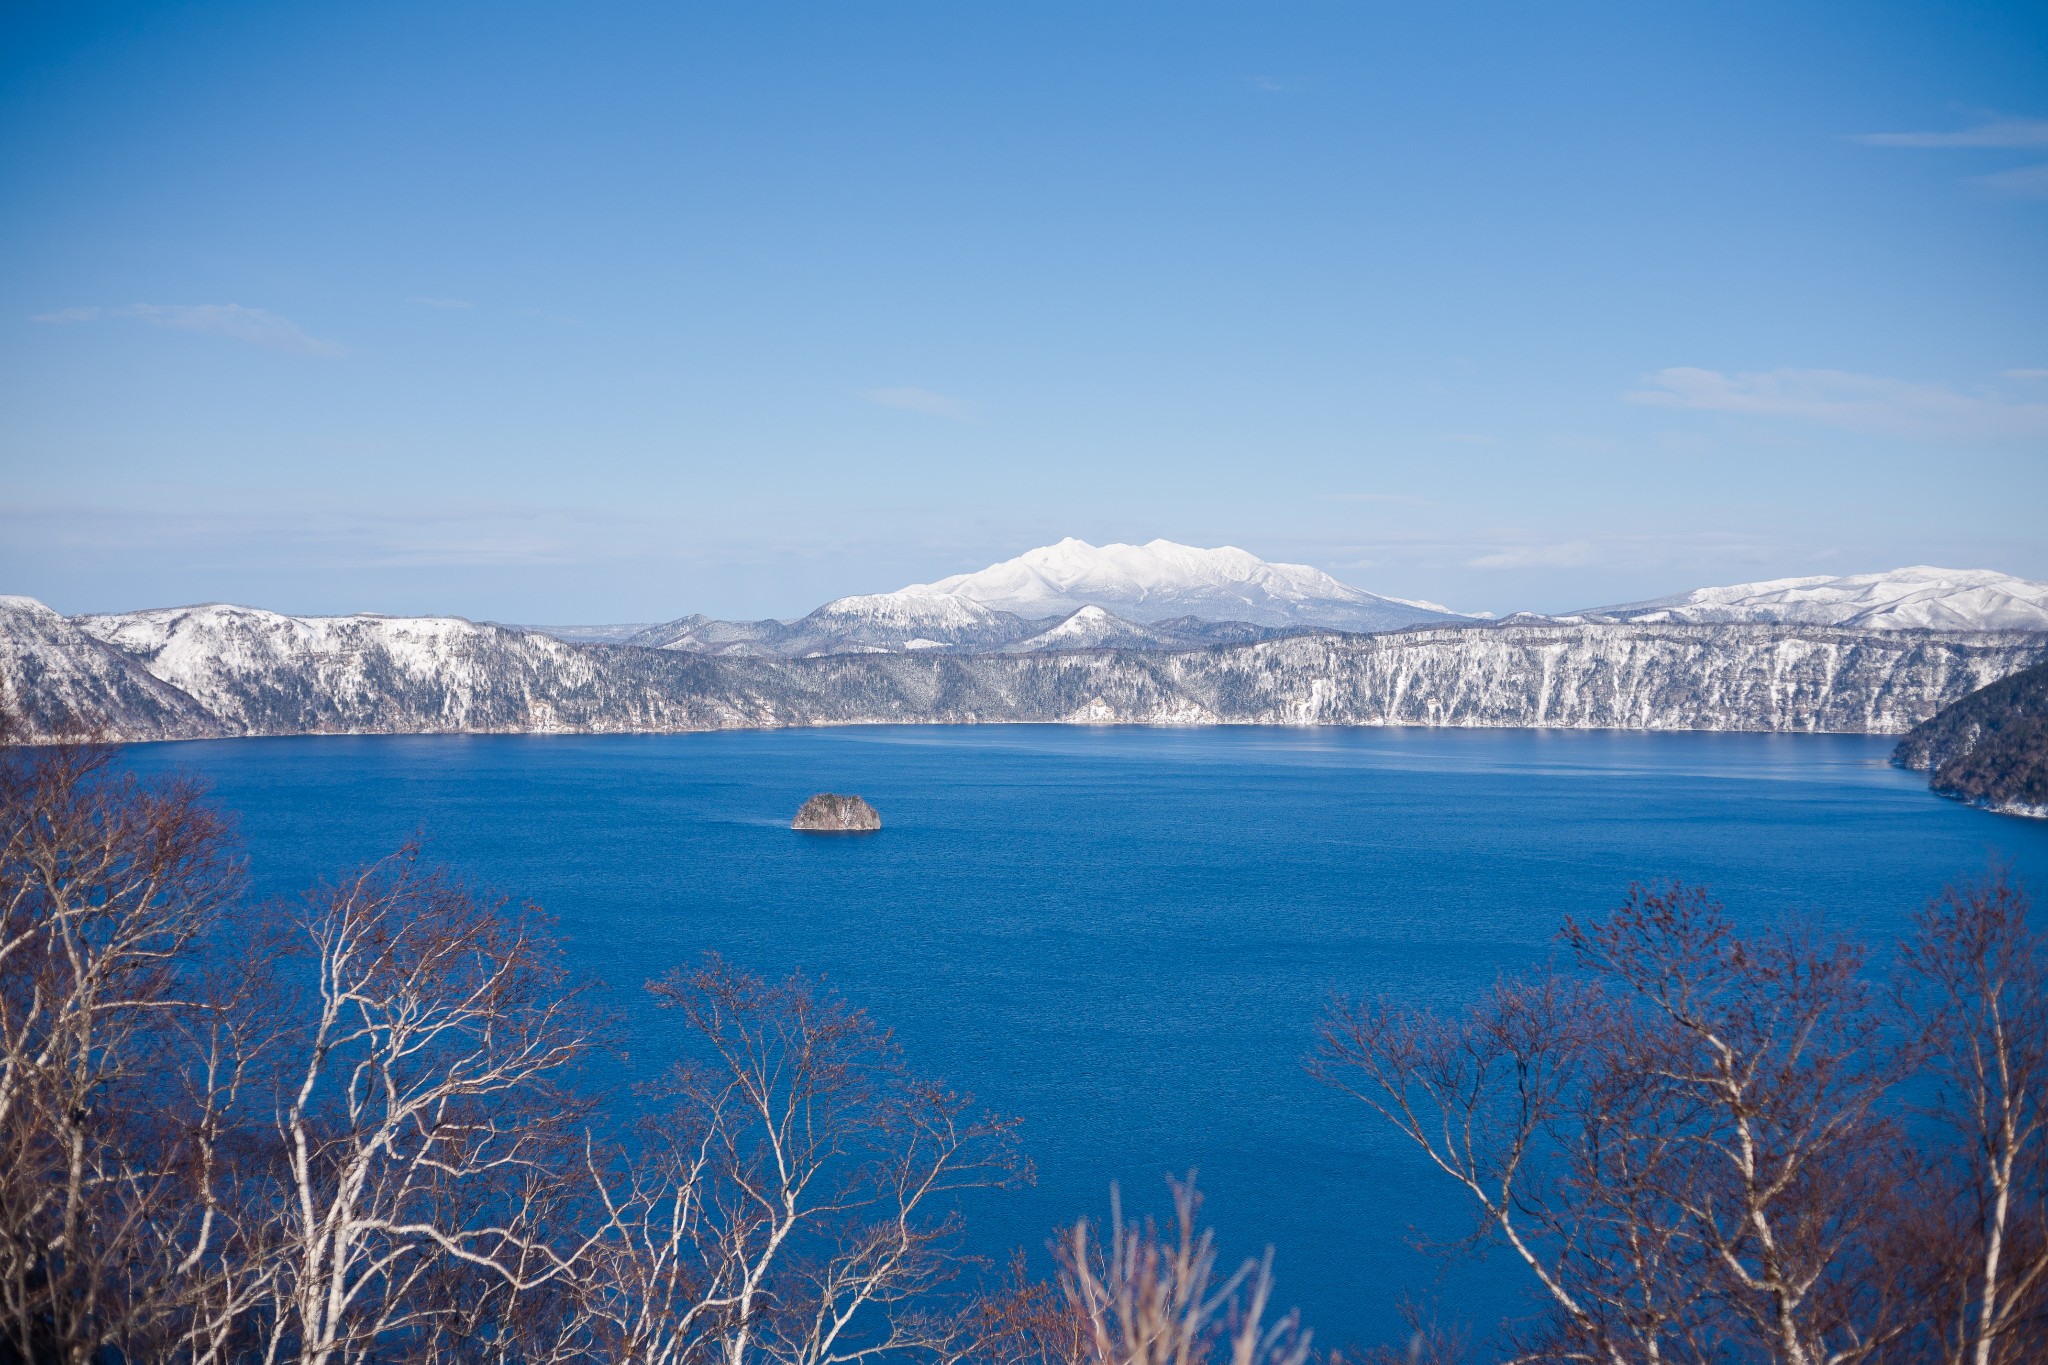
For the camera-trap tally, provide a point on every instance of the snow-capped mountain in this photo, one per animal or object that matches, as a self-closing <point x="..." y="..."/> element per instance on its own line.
<point x="1917" y="598"/>
<point x="1160" y="595"/>
<point x="1162" y="579"/>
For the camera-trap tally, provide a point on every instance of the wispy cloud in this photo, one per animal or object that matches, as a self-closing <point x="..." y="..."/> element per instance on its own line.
<point x="921" y="400"/>
<point x="1390" y="499"/>
<point x="442" y="303"/>
<point x="255" y="326"/>
<point x="2003" y="132"/>
<point x="2023" y="182"/>
<point x="1565" y="554"/>
<point x="2023" y="374"/>
<point x="266" y="532"/>
<point x="1864" y="403"/>
<point x="2007" y="134"/>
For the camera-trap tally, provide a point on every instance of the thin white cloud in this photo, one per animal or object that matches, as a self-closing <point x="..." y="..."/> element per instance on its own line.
<point x="921" y="400"/>
<point x="2022" y="182"/>
<point x="1391" y="499"/>
<point x="255" y="326"/>
<point x="442" y="303"/>
<point x="2023" y="374"/>
<point x="1868" y="404"/>
<point x="1567" y="554"/>
<point x="2004" y="132"/>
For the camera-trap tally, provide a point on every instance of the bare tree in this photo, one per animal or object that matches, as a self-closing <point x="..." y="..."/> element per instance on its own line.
<point x="106" y="882"/>
<point x="1768" y="1056"/>
<point x="1513" y="1101"/>
<point x="789" y="1198"/>
<point x="1147" y="1298"/>
<point x="1683" y="1145"/>
<point x="416" y="1110"/>
<point x="1978" y="980"/>
<point x="1025" y="1321"/>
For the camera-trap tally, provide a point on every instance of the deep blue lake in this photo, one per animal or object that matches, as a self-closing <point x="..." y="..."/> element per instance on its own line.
<point x="1124" y="935"/>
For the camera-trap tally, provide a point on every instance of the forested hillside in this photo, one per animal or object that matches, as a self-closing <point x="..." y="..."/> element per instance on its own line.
<point x="1991" y="747"/>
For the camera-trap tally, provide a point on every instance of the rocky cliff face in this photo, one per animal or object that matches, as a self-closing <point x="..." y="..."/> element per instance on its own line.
<point x="215" y="671"/>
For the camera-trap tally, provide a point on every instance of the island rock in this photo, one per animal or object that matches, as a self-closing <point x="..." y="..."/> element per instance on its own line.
<point x="831" y="812"/>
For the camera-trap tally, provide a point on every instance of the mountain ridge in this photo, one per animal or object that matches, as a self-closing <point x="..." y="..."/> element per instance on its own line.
<point x="220" y="672"/>
<point x="1190" y="596"/>
<point x="1917" y="597"/>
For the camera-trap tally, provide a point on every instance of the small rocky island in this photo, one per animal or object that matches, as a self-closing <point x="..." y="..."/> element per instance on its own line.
<point x="832" y="813"/>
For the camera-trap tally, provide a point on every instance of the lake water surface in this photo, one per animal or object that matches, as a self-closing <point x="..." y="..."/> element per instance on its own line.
<point x="1124" y="935"/>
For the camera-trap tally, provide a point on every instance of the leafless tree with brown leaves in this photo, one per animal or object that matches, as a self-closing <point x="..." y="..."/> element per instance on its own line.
<point x="789" y="1198"/>
<point x="1682" y="1142"/>
<point x="106" y="884"/>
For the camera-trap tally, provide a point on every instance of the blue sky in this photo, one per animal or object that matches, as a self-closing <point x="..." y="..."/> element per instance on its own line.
<point x="618" y="312"/>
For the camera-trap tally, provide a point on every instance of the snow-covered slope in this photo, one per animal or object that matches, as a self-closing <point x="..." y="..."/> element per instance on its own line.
<point x="211" y="652"/>
<point x="1161" y="579"/>
<point x="1094" y="628"/>
<point x="880" y="623"/>
<point x="1917" y="598"/>
<point x="914" y="619"/>
<point x="56" y="680"/>
<point x="241" y="671"/>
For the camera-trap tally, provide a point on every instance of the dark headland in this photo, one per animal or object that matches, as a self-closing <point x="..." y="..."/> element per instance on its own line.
<point x="1990" y="748"/>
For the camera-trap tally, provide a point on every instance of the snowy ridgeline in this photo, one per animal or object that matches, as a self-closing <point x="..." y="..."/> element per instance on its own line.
<point x="218" y="671"/>
<point x="1166" y="596"/>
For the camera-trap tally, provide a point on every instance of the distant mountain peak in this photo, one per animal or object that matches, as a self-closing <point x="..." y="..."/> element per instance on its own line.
<point x="1163" y="579"/>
